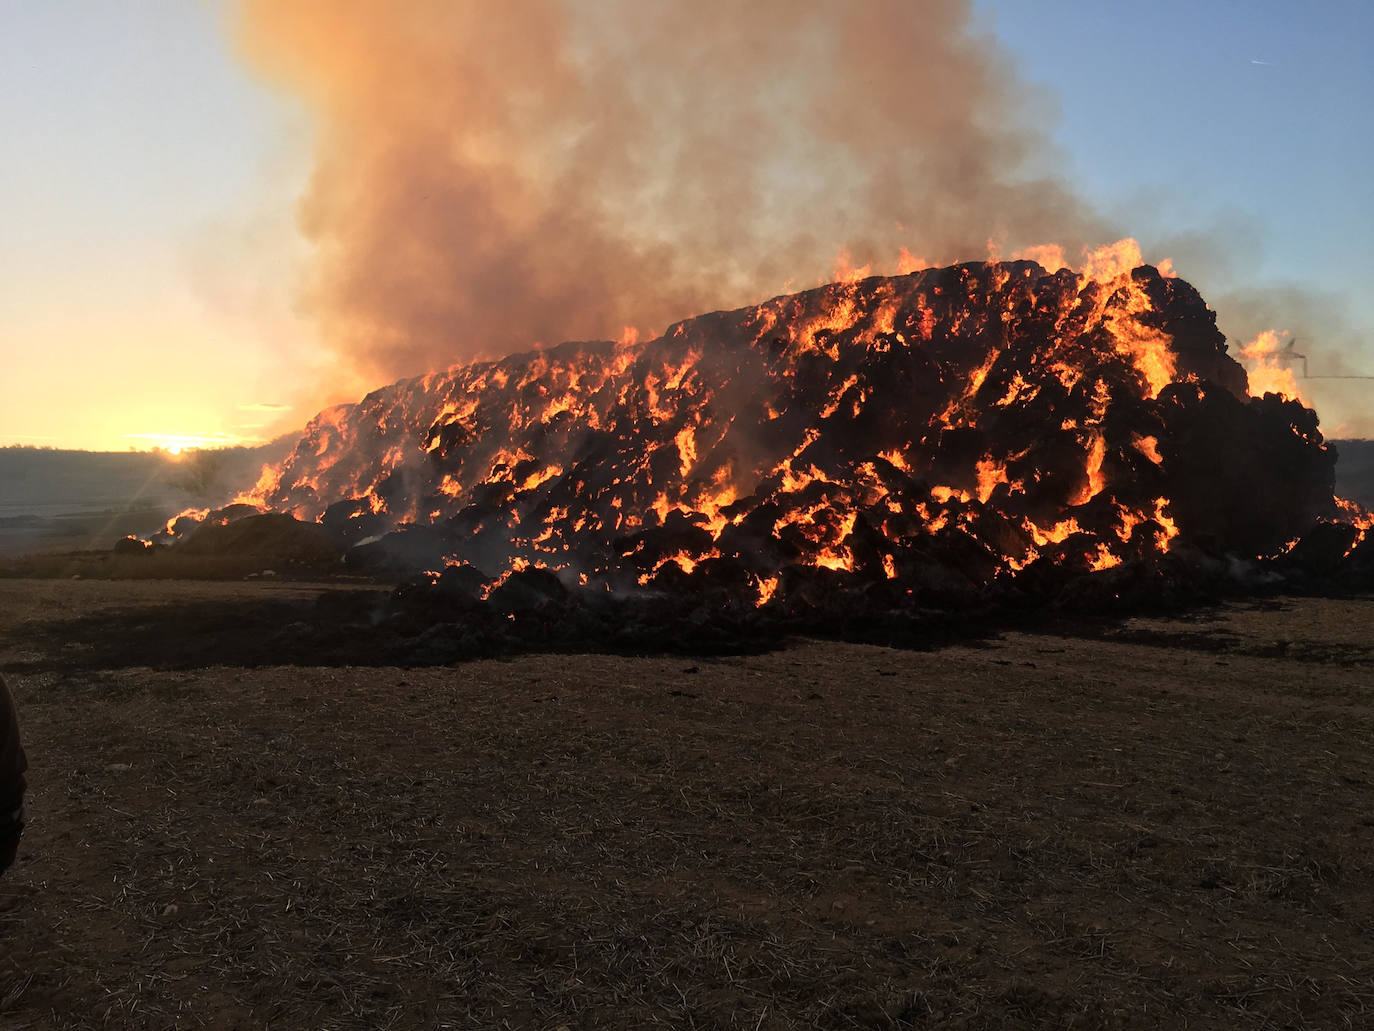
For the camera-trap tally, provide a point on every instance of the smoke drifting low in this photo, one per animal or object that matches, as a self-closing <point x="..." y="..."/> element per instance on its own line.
<point x="492" y="175"/>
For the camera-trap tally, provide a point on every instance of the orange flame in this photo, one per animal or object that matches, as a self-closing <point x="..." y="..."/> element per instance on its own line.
<point x="1112" y="261"/>
<point x="845" y="271"/>
<point x="1268" y="375"/>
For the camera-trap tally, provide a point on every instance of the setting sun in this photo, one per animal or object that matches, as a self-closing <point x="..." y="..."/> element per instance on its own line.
<point x="177" y="444"/>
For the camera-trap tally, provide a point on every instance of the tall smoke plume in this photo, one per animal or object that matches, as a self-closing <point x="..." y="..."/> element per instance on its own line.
<point x="493" y="175"/>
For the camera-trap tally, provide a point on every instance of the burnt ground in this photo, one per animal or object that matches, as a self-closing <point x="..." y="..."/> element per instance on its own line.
<point x="1139" y="823"/>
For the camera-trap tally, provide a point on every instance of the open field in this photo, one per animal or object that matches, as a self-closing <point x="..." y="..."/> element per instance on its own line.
<point x="1152" y="823"/>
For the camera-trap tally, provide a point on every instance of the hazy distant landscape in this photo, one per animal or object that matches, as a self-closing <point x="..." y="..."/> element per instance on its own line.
<point x="51" y="499"/>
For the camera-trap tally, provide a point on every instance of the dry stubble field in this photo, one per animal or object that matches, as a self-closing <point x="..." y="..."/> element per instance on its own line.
<point x="1155" y="823"/>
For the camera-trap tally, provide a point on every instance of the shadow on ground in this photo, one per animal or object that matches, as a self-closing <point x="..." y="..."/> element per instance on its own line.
<point x="380" y="627"/>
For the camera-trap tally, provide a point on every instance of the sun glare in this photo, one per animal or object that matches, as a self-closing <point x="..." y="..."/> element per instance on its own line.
<point x="178" y="444"/>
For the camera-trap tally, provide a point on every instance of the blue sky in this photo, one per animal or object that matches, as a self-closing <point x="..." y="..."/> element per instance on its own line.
<point x="1188" y="114"/>
<point x="147" y="185"/>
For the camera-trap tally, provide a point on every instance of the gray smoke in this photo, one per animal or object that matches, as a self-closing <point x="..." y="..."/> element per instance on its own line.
<point x="492" y="175"/>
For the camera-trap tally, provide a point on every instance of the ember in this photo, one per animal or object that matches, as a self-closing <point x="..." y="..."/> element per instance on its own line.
<point x="934" y="434"/>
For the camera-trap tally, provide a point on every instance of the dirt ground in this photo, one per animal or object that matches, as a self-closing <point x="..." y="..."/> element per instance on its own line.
<point x="1153" y="823"/>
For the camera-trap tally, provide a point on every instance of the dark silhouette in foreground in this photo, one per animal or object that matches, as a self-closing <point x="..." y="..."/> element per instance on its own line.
<point x="13" y="763"/>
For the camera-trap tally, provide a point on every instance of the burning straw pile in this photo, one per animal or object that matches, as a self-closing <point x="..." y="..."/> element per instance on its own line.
<point x="982" y="432"/>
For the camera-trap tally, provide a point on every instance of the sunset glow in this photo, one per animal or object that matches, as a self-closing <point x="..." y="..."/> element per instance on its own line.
<point x="179" y="443"/>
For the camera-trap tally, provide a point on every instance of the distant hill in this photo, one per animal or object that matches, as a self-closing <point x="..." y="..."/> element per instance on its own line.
<point x="44" y="482"/>
<point x="76" y="499"/>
